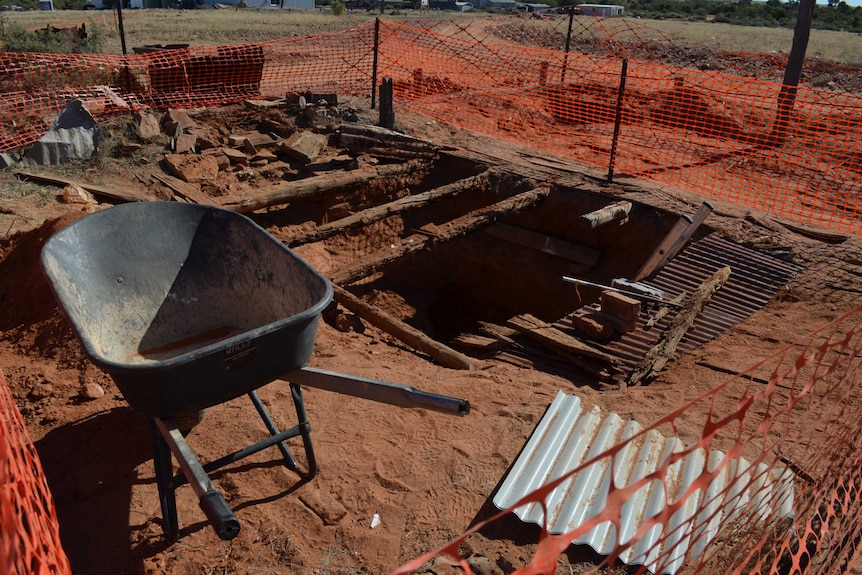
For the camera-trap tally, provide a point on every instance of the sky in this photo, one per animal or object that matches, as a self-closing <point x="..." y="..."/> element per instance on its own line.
<point x="849" y="2"/>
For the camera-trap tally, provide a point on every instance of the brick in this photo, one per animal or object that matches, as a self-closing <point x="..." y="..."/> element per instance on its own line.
<point x="622" y="308"/>
<point x="594" y="325"/>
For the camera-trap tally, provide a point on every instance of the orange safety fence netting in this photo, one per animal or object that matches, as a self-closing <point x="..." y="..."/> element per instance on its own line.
<point x="796" y="417"/>
<point x="720" y="134"/>
<point x="713" y="123"/>
<point x="30" y="542"/>
<point x="35" y="87"/>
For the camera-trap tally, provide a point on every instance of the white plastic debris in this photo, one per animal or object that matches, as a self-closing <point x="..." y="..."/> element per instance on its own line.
<point x="375" y="521"/>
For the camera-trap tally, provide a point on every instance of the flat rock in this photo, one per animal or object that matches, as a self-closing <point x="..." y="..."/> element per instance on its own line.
<point x="147" y="125"/>
<point x="324" y="506"/>
<point x="235" y="156"/>
<point x="185" y="143"/>
<point x="192" y="168"/>
<point x="305" y="146"/>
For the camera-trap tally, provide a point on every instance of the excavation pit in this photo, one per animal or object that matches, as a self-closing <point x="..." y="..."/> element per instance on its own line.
<point x="497" y="248"/>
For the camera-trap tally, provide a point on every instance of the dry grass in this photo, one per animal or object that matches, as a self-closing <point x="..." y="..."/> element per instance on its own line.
<point x="230" y="26"/>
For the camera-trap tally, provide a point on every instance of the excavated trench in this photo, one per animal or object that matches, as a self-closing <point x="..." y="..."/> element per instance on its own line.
<point x="487" y="274"/>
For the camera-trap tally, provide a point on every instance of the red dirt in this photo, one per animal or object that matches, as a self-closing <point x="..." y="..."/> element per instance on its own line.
<point x="428" y="476"/>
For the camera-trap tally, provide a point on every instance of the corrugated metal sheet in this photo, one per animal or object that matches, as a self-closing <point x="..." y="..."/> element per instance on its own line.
<point x="754" y="279"/>
<point x="569" y="435"/>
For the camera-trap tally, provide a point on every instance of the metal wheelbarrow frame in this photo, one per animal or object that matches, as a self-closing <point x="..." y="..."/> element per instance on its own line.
<point x="188" y="306"/>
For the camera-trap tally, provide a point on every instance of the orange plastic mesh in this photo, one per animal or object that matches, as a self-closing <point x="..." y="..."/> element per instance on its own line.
<point x="796" y="413"/>
<point x="719" y="133"/>
<point x="713" y="123"/>
<point x="29" y="533"/>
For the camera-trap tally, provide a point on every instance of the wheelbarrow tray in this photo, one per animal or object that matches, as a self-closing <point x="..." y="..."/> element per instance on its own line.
<point x="184" y="306"/>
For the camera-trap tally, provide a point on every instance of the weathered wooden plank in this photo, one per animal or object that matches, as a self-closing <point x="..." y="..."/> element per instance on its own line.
<point x="612" y="213"/>
<point x="371" y="215"/>
<point x="543" y="243"/>
<point x="408" y="334"/>
<point x="122" y="193"/>
<point x="552" y="338"/>
<point x="458" y="227"/>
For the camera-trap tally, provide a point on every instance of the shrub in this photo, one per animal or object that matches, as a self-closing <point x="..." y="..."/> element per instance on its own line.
<point x="15" y="38"/>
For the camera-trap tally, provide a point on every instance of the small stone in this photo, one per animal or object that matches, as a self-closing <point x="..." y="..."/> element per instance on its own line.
<point x="40" y="391"/>
<point x="326" y="507"/>
<point x="185" y="143"/>
<point x="92" y="390"/>
<point x="148" y="125"/>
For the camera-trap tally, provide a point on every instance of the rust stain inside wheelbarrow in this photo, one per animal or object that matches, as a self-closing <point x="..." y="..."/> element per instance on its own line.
<point x="185" y="306"/>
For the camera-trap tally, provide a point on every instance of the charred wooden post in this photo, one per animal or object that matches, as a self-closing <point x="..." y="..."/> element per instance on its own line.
<point x="408" y="334"/>
<point x="458" y="227"/>
<point x="318" y="185"/>
<point x="387" y="108"/>
<point x="371" y="215"/>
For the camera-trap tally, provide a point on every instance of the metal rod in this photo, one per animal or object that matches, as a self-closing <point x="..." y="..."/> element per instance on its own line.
<point x="120" y="24"/>
<point x="633" y="294"/>
<point x="374" y="65"/>
<point x="568" y="44"/>
<point x="618" y="118"/>
<point x="375" y="390"/>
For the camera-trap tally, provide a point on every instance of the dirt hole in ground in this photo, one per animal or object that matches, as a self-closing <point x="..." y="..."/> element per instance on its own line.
<point x="486" y="275"/>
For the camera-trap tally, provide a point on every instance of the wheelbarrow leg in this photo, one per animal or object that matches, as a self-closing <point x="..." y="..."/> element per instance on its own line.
<point x="303" y="428"/>
<point x="164" y="480"/>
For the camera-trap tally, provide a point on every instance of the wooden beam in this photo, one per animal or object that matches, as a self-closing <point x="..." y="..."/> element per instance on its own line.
<point x="660" y="353"/>
<point x="549" y="336"/>
<point x="540" y="242"/>
<point x="408" y="334"/>
<point x="184" y="189"/>
<point x="371" y="215"/>
<point x="457" y="227"/>
<point x="317" y="185"/>
<point x="611" y="213"/>
<point x="122" y="192"/>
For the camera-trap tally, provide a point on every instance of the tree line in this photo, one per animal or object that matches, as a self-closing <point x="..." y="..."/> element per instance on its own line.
<point x="837" y="15"/>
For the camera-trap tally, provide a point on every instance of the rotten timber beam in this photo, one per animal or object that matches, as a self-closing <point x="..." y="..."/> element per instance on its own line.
<point x="664" y="349"/>
<point x="317" y="185"/>
<point x="612" y="213"/>
<point x="540" y="242"/>
<point x="458" y="227"/>
<point x="371" y="215"/>
<point x="411" y="336"/>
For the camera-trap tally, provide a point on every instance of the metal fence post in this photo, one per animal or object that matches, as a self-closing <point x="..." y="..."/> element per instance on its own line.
<point x="618" y="118"/>
<point x="568" y="44"/>
<point x="374" y="66"/>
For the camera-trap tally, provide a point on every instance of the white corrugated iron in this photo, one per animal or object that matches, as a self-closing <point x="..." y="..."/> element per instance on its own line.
<point x="568" y="435"/>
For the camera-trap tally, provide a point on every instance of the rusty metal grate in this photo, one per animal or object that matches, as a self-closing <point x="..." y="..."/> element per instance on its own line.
<point x="754" y="279"/>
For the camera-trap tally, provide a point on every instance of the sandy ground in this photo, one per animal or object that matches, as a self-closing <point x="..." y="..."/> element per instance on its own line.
<point x="427" y="476"/>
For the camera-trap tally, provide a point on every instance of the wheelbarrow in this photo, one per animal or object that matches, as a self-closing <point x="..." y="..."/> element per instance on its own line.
<point x="187" y="307"/>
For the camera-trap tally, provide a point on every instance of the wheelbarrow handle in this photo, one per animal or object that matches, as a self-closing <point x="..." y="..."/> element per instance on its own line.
<point x="212" y="502"/>
<point x="376" y="390"/>
<point x="220" y="516"/>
